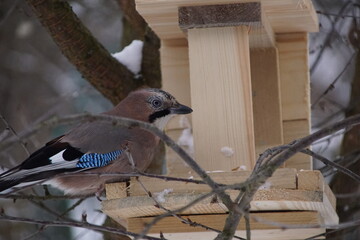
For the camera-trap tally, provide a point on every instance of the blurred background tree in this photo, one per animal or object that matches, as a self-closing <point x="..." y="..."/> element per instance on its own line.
<point x="37" y="82"/>
<point x="335" y="88"/>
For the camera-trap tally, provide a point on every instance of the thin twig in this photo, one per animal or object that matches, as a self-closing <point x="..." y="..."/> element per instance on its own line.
<point x="256" y="179"/>
<point x="171" y="213"/>
<point x="329" y="36"/>
<point x="8" y="126"/>
<point x="73" y="224"/>
<point x="326" y="161"/>
<point x="130" y="123"/>
<point x="336" y="15"/>
<point x="247" y="226"/>
<point x="332" y="84"/>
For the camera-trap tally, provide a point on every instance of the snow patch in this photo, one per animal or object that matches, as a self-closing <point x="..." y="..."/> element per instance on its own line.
<point x="227" y="151"/>
<point x="131" y="56"/>
<point x="184" y="122"/>
<point x="242" y="167"/>
<point x="160" y="196"/>
<point x="186" y="138"/>
<point x="265" y="186"/>
<point x="24" y="29"/>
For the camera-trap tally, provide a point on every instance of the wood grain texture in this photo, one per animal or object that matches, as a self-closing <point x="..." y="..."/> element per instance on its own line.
<point x="264" y="200"/>
<point x="116" y="190"/>
<point x="294" y="130"/>
<point x="282" y="179"/>
<point x="283" y="15"/>
<point x="295" y="92"/>
<point x="271" y="234"/>
<point x="294" y="75"/>
<point x="265" y="82"/>
<point x="221" y="97"/>
<point x="216" y="221"/>
<point x="176" y="80"/>
<point x="313" y="180"/>
<point x="175" y="70"/>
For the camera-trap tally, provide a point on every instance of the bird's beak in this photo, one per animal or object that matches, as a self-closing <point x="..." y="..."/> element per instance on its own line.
<point x="180" y="109"/>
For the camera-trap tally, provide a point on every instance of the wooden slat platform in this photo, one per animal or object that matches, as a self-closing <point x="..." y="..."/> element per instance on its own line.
<point x="286" y="191"/>
<point x="271" y="234"/>
<point x="258" y="221"/>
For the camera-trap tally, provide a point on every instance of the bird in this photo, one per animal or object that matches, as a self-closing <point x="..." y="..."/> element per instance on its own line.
<point x="99" y="147"/>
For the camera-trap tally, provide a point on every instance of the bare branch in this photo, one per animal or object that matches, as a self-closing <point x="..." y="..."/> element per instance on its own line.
<point x="333" y="164"/>
<point x="125" y="122"/>
<point x="332" y="84"/>
<point x="93" y="61"/>
<point x="8" y="126"/>
<point x="174" y="214"/>
<point x="259" y="176"/>
<point x="330" y="35"/>
<point x="73" y="224"/>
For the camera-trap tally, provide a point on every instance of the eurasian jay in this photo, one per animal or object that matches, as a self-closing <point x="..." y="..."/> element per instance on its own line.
<point x="99" y="147"/>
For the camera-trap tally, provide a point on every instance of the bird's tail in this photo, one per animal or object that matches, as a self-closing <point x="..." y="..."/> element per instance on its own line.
<point x="14" y="178"/>
<point x="22" y="178"/>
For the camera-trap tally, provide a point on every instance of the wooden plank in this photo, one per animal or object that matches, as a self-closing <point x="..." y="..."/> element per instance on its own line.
<point x="176" y="80"/>
<point x="278" y="234"/>
<point x="282" y="179"/>
<point x="216" y="221"/>
<point x="294" y="75"/>
<point x="221" y="97"/>
<point x="266" y="98"/>
<point x="314" y="180"/>
<point x="220" y="15"/>
<point x="294" y="130"/>
<point x="264" y="200"/>
<point x="283" y="16"/>
<point x="249" y="14"/>
<point x="174" y="57"/>
<point x="116" y="190"/>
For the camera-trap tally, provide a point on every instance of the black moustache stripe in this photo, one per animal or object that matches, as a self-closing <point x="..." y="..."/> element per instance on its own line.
<point x="158" y="114"/>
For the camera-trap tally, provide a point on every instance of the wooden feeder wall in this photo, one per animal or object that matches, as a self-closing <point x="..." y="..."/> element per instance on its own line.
<point x="243" y="67"/>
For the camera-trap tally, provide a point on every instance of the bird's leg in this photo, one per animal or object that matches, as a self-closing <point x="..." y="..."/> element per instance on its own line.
<point x="130" y="158"/>
<point x="99" y="192"/>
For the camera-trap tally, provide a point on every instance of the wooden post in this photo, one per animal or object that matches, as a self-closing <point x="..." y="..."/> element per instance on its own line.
<point x="220" y="80"/>
<point x="265" y="81"/>
<point x="176" y="80"/>
<point x="221" y="97"/>
<point x="295" y="92"/>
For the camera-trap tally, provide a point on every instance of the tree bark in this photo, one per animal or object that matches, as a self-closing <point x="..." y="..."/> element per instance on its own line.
<point x="135" y="27"/>
<point x="75" y="41"/>
<point x="349" y="208"/>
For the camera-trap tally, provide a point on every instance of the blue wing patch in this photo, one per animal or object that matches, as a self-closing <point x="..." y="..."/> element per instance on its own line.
<point x="93" y="160"/>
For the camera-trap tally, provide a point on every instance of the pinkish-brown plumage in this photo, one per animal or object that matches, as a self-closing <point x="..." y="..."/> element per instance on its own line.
<point x="99" y="147"/>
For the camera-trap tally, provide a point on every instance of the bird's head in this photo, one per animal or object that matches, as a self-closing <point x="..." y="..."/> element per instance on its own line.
<point x="152" y="105"/>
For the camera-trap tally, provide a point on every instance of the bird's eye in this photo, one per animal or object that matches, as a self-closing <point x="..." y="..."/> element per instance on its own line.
<point x="156" y="103"/>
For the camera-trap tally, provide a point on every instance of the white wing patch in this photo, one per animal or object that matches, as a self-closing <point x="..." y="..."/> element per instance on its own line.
<point x="57" y="158"/>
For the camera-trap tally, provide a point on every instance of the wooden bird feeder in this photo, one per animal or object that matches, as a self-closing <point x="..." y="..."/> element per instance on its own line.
<point x="243" y="67"/>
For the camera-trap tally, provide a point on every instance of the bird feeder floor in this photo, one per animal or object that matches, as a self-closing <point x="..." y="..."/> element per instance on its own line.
<point x="289" y="198"/>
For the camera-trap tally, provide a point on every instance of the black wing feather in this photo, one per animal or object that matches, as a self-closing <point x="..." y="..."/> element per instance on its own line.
<point x="41" y="158"/>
